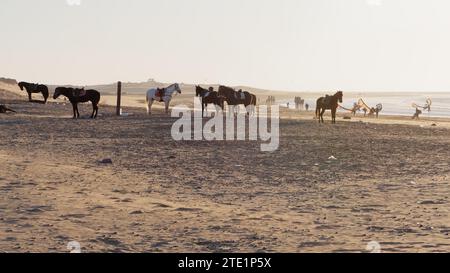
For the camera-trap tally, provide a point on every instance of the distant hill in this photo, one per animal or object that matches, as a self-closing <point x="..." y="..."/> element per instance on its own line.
<point x="9" y="90"/>
<point x="8" y="81"/>
<point x="140" y="88"/>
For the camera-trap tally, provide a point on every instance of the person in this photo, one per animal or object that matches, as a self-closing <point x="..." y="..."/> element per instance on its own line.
<point x="417" y="114"/>
<point x="307" y="107"/>
<point x="4" y="109"/>
<point x="241" y="94"/>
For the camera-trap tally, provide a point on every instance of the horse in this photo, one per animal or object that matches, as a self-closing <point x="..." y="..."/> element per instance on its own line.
<point x="329" y="103"/>
<point x="209" y="97"/>
<point x="4" y="110"/>
<point x="234" y="99"/>
<point x="162" y="95"/>
<point x="34" y="88"/>
<point x="76" y="96"/>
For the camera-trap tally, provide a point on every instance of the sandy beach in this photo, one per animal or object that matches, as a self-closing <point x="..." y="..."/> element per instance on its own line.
<point x="387" y="182"/>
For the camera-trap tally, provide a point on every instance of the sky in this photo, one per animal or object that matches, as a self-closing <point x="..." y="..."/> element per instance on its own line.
<point x="292" y="45"/>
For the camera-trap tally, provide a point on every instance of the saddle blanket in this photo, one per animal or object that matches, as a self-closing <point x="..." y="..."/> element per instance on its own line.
<point x="160" y="93"/>
<point x="241" y="96"/>
<point x="34" y="87"/>
<point x="327" y="100"/>
<point x="79" y="93"/>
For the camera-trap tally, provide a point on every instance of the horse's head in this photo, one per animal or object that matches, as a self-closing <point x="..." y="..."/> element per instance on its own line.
<point x="21" y="85"/>
<point x="340" y="96"/>
<point x="198" y="91"/>
<point x="177" y="88"/>
<point x="57" y="93"/>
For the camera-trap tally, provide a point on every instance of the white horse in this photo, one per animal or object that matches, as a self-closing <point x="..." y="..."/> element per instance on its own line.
<point x="168" y="93"/>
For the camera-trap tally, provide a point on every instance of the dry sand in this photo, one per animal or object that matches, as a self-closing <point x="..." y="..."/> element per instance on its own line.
<point x="389" y="183"/>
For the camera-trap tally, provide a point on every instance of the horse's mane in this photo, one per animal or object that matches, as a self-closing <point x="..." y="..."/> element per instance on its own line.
<point x="201" y="88"/>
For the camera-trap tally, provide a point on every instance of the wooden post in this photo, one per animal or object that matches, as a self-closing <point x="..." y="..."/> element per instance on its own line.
<point x="119" y="98"/>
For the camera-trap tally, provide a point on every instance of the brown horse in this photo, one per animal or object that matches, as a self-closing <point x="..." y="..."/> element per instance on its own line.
<point x="328" y="103"/>
<point x="234" y="99"/>
<point x="209" y="97"/>
<point x="76" y="96"/>
<point x="34" y="88"/>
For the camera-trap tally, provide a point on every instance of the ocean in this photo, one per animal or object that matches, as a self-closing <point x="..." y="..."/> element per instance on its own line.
<point x="393" y="104"/>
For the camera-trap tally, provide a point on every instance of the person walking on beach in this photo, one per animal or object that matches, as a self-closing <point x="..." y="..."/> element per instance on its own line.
<point x="417" y="114"/>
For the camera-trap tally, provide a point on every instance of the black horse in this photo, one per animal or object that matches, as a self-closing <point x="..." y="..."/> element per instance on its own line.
<point x="76" y="96"/>
<point x="234" y="98"/>
<point x="209" y="97"/>
<point x="34" y="88"/>
<point x="4" y="109"/>
<point x="328" y="103"/>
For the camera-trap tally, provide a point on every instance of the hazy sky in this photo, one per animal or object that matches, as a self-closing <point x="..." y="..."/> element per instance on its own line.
<point x="353" y="45"/>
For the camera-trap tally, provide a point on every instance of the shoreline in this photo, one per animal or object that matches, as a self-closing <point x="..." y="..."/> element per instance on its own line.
<point x="136" y="102"/>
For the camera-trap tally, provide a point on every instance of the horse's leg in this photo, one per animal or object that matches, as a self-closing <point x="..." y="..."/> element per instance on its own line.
<point x="318" y="112"/>
<point x="78" y="112"/>
<point x="74" y="111"/>
<point x="167" y="107"/>
<point x="321" y="114"/>
<point x="29" y="97"/>
<point x="149" y="106"/>
<point x="96" y="110"/>
<point x="93" y="110"/>
<point x="45" y="97"/>
<point x="333" y="115"/>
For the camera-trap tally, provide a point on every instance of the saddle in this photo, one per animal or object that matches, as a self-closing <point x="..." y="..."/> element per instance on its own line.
<point x="160" y="92"/>
<point x="78" y="93"/>
<point x="327" y="100"/>
<point x="239" y="95"/>
<point x="34" y="87"/>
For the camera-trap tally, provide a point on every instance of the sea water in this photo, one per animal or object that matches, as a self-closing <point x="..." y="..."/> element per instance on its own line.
<point x="393" y="103"/>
